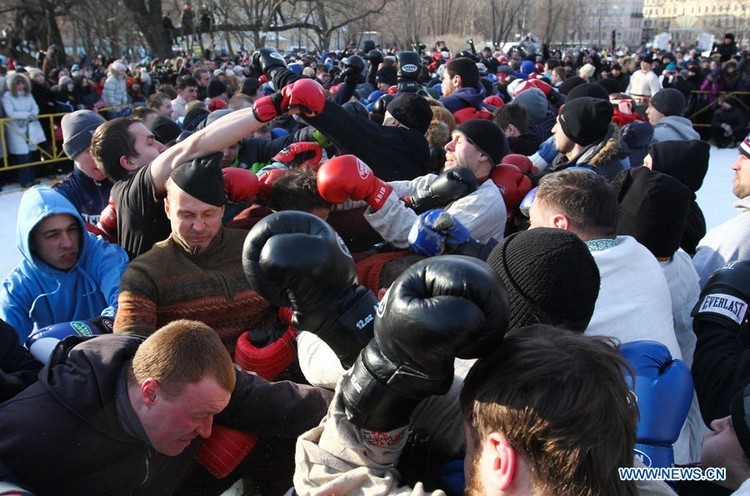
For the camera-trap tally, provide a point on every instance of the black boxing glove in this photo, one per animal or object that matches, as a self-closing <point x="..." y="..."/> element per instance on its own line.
<point x="267" y="61"/>
<point x="439" y="309"/>
<point x="409" y="68"/>
<point x="381" y="104"/>
<point x="724" y="298"/>
<point x="375" y="57"/>
<point x="353" y="68"/>
<point x="295" y="259"/>
<point x="448" y="187"/>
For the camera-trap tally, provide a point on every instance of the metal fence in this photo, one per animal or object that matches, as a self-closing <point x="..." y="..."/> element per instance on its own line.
<point x="706" y="106"/>
<point x="50" y="151"/>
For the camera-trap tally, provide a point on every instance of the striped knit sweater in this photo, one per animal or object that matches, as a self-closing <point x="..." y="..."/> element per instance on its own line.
<point x="168" y="283"/>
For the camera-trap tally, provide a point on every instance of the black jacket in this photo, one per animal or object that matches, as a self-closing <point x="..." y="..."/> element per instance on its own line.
<point x="64" y="435"/>
<point x="393" y="153"/>
<point x="18" y="369"/>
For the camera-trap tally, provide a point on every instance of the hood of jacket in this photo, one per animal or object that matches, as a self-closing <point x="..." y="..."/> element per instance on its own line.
<point x="605" y="151"/>
<point x="464" y="97"/>
<point x="675" y="128"/>
<point x="36" y="205"/>
<point x="83" y="373"/>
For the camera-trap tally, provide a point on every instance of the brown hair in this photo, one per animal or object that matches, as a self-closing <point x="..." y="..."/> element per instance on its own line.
<point x="111" y="141"/>
<point x="585" y="198"/>
<point x="512" y="114"/>
<point x="180" y="353"/>
<point x="157" y="99"/>
<point x="466" y="68"/>
<point x="297" y="190"/>
<point x="561" y="400"/>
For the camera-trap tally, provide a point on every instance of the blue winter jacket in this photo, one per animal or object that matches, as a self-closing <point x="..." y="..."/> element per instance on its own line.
<point x="463" y="98"/>
<point x="35" y="295"/>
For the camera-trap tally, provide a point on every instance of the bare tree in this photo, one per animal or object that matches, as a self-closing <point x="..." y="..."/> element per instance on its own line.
<point x="148" y="17"/>
<point x="505" y="16"/>
<point x="547" y="16"/>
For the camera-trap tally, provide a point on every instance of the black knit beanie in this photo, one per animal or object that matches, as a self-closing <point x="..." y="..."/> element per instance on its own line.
<point x="686" y="161"/>
<point x="740" y="411"/>
<point x="653" y="209"/>
<point x="487" y="136"/>
<point x="587" y="89"/>
<point x="669" y="101"/>
<point x="571" y="83"/>
<point x="586" y="119"/>
<point x="550" y="276"/>
<point x="202" y="179"/>
<point x="215" y="88"/>
<point x="609" y="85"/>
<point x="412" y="111"/>
<point x="165" y="129"/>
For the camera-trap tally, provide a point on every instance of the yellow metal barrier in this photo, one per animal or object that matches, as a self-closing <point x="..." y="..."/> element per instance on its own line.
<point x="51" y="151"/>
<point x="728" y="94"/>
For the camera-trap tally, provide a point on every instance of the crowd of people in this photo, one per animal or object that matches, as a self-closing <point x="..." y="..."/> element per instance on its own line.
<point x="378" y="273"/>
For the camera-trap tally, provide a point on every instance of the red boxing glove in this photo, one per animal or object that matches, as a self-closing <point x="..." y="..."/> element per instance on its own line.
<point x="224" y="449"/>
<point x="347" y="177"/>
<point x="512" y="183"/>
<point x="265" y="184"/>
<point x="392" y="90"/>
<point x="306" y="94"/>
<point x="523" y="163"/>
<point x="301" y="154"/>
<point x="108" y="222"/>
<point x="240" y="184"/>
<point x="494" y="100"/>
<point x="286" y="314"/>
<point x="267" y="359"/>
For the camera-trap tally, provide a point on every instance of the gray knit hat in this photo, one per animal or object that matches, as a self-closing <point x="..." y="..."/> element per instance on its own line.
<point x="669" y="101"/>
<point x="77" y="128"/>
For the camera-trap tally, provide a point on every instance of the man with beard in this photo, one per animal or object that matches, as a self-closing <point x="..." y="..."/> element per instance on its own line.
<point x="729" y="241"/>
<point x="196" y="272"/>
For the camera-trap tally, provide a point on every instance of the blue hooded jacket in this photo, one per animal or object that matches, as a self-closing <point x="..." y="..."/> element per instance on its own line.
<point x="463" y="98"/>
<point x="35" y="295"/>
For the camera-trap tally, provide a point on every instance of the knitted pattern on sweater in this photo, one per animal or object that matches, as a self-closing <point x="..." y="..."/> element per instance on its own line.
<point x="168" y="283"/>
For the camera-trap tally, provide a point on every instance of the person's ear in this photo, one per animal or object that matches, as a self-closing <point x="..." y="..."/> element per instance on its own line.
<point x="166" y="207"/>
<point x="504" y="461"/>
<point x="149" y="392"/>
<point x="559" y="221"/>
<point x="127" y="163"/>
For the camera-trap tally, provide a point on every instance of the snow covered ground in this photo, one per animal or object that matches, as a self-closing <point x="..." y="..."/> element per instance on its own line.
<point x="715" y="199"/>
